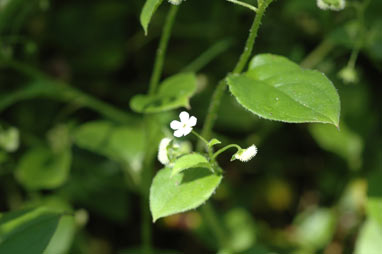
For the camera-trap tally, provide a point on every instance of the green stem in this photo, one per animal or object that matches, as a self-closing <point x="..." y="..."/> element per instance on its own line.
<point x="60" y="91"/>
<point x="211" y="220"/>
<point x="319" y="53"/>
<point x="251" y="38"/>
<point x="225" y="149"/>
<point x="148" y="171"/>
<point x="200" y="137"/>
<point x="361" y="34"/>
<point x="207" y="211"/>
<point x="219" y="91"/>
<point x="161" y="51"/>
<point x="209" y="55"/>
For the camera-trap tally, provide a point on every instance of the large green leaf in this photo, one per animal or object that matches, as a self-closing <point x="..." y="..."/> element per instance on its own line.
<point x="278" y="89"/>
<point x="41" y="168"/>
<point x="173" y="93"/>
<point x="148" y="11"/>
<point x="189" y="161"/>
<point x="27" y="231"/>
<point x="182" y="192"/>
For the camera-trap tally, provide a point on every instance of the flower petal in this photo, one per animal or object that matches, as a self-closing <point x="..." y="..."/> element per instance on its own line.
<point x="192" y="121"/>
<point x="178" y="133"/>
<point x="184" y="116"/>
<point x="186" y="130"/>
<point x="175" y="125"/>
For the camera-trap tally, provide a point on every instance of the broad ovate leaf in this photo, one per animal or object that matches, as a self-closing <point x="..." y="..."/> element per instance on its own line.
<point x="174" y="92"/>
<point x="27" y="230"/>
<point x="277" y="89"/>
<point x="148" y="11"/>
<point x="183" y="192"/>
<point x="189" y="161"/>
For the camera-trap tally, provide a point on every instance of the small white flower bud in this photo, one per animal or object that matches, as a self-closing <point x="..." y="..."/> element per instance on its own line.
<point x="163" y="156"/>
<point x="245" y="154"/>
<point x="334" y="5"/>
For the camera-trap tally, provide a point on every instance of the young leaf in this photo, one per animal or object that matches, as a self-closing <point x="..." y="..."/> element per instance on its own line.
<point x="174" y="92"/>
<point x="189" y="161"/>
<point x="148" y="11"/>
<point x="182" y="192"/>
<point x="278" y="89"/>
<point x="40" y="168"/>
<point x="29" y="230"/>
<point x="213" y="142"/>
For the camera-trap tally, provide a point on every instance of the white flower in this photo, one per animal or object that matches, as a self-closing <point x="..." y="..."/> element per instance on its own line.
<point x="246" y="154"/>
<point x="334" y="5"/>
<point x="175" y="2"/>
<point x="163" y="153"/>
<point x="184" y="127"/>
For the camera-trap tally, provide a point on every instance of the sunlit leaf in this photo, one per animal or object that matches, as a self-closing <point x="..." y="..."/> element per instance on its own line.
<point x="321" y="221"/>
<point x="370" y="238"/>
<point x="182" y="192"/>
<point x="278" y="89"/>
<point x="174" y="92"/>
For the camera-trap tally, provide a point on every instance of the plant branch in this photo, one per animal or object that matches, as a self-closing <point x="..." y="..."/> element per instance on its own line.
<point x="162" y="48"/>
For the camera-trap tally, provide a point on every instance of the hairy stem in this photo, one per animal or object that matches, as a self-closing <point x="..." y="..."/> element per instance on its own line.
<point x="246" y="54"/>
<point x="161" y="51"/>
<point x="207" y="211"/>
<point x="225" y="149"/>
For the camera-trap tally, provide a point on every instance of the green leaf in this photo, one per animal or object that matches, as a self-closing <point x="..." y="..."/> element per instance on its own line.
<point x="241" y="227"/>
<point x="321" y="221"/>
<point x="174" y="92"/>
<point x="343" y="142"/>
<point x="29" y="230"/>
<point x="214" y="142"/>
<point x="189" y="161"/>
<point x="278" y="89"/>
<point x="182" y="192"/>
<point x="41" y="168"/>
<point x="148" y="11"/>
<point x="121" y="143"/>
<point x="374" y="196"/>
<point x="370" y="238"/>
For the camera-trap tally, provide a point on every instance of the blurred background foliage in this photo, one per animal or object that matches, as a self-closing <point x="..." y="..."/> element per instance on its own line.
<point x="70" y="143"/>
